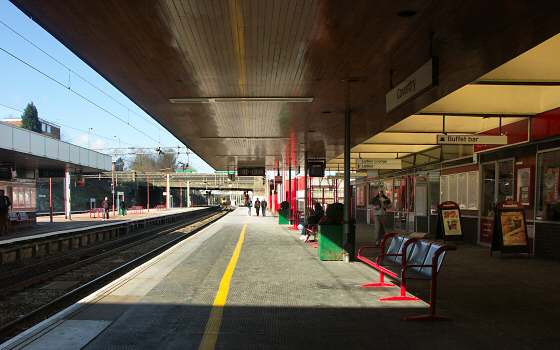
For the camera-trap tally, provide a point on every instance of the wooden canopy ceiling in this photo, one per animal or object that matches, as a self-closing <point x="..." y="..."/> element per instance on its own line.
<point x="154" y="51"/>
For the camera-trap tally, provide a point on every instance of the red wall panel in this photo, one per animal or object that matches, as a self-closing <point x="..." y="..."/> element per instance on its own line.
<point x="545" y="125"/>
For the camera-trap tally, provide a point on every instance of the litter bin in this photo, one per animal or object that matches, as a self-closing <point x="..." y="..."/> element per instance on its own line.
<point x="330" y="242"/>
<point x="284" y="217"/>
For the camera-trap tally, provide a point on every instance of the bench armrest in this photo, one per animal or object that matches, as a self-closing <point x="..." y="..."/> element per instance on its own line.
<point x="403" y="249"/>
<point x="364" y="247"/>
<point x="435" y="258"/>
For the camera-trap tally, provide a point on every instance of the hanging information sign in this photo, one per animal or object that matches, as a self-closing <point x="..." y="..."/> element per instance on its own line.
<point x="372" y="164"/>
<point x="443" y="139"/>
<point x="423" y="78"/>
<point x="251" y="171"/>
<point x="316" y="167"/>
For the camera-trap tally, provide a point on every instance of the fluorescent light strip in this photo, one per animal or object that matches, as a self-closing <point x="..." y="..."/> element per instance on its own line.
<point x="241" y="99"/>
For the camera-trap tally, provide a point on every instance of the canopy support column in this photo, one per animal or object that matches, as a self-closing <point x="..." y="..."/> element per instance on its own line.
<point x="67" y="196"/>
<point x="188" y="194"/>
<point x="306" y="195"/>
<point x="168" y="196"/>
<point x="348" y="229"/>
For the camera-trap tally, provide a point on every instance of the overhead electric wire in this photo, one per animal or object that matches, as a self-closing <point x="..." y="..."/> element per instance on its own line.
<point x="76" y="73"/>
<point x="69" y="88"/>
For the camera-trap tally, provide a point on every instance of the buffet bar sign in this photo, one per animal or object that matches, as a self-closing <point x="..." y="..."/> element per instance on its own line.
<point x="370" y="164"/>
<point x="471" y="140"/>
<point x="418" y="81"/>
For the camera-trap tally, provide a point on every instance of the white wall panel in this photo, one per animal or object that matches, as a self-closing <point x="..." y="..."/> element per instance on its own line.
<point x="74" y="154"/>
<point x="84" y="156"/>
<point x="37" y="143"/>
<point x="21" y="140"/>
<point x="93" y="159"/>
<point x="6" y="140"/>
<point x="108" y="163"/>
<point x="51" y="148"/>
<point x="64" y="151"/>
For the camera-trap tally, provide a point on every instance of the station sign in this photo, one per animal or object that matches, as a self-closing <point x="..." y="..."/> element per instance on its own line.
<point x="471" y="140"/>
<point x="251" y="171"/>
<point x="423" y="78"/>
<point x="371" y="164"/>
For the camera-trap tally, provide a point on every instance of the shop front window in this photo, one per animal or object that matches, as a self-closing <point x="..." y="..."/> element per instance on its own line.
<point x="488" y="189"/>
<point x="548" y="203"/>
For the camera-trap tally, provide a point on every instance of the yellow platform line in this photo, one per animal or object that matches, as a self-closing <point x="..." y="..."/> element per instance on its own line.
<point x="214" y="323"/>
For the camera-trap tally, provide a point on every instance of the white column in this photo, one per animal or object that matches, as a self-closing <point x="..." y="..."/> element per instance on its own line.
<point x="67" y="197"/>
<point x="188" y="194"/>
<point x="167" y="190"/>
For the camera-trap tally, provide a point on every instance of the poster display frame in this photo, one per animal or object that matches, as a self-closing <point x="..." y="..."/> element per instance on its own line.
<point x="516" y="212"/>
<point x="444" y="231"/>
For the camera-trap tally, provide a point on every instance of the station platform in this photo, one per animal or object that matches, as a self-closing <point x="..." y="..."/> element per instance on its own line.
<point x="81" y="221"/>
<point x="248" y="283"/>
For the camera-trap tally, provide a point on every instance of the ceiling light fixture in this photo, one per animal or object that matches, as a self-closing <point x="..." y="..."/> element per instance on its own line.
<point x="190" y="100"/>
<point x="240" y="99"/>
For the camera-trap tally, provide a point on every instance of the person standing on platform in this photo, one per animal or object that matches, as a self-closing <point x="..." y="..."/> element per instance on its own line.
<point x="105" y="206"/>
<point x="248" y="204"/>
<point x="123" y="207"/>
<point x="380" y="203"/>
<point x="264" y="204"/>
<point x="257" y="206"/>
<point x="5" y="205"/>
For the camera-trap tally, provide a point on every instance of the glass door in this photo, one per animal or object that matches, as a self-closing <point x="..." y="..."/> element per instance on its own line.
<point x="497" y="185"/>
<point x="505" y="180"/>
<point x="488" y="173"/>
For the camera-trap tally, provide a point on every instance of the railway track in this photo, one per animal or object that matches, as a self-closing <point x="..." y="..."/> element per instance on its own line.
<point x="35" y="296"/>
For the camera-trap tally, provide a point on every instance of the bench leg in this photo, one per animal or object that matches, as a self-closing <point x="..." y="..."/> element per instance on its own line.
<point x="428" y="317"/>
<point x="379" y="284"/>
<point x="433" y="302"/>
<point x="402" y="297"/>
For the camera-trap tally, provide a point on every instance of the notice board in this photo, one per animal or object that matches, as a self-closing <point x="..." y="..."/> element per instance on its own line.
<point x="510" y="228"/>
<point x="449" y="225"/>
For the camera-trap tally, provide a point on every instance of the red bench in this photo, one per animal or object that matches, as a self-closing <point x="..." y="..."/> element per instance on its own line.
<point x="408" y="259"/>
<point x="96" y="213"/>
<point x="136" y="209"/>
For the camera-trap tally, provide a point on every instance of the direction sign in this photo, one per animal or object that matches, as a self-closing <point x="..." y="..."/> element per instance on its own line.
<point x="423" y="78"/>
<point x="443" y="139"/>
<point x="369" y="164"/>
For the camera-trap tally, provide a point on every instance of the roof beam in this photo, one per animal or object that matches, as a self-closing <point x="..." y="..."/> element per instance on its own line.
<point x="516" y="82"/>
<point x="477" y="115"/>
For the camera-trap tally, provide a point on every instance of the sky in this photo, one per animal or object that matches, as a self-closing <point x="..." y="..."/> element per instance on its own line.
<point x="116" y="122"/>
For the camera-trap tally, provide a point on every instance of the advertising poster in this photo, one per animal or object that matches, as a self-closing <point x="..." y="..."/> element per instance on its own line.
<point x="550" y="182"/>
<point x="513" y="228"/>
<point x="510" y="230"/>
<point x="451" y="222"/>
<point x="523" y="186"/>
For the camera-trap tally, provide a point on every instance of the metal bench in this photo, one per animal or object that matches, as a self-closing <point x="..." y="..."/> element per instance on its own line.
<point x="96" y="213"/>
<point x="408" y="259"/>
<point x="136" y="209"/>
